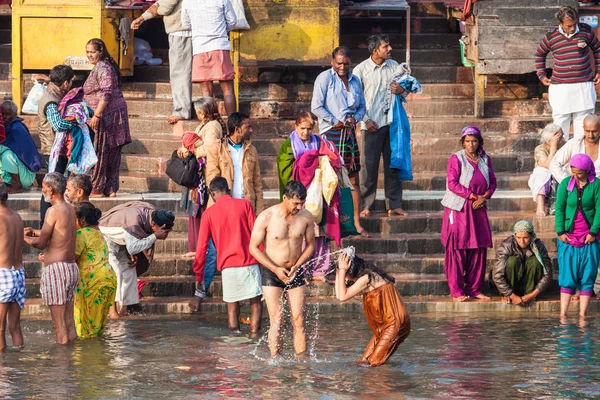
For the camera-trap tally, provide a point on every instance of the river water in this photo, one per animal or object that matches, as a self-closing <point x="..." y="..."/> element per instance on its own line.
<point x="168" y="357"/>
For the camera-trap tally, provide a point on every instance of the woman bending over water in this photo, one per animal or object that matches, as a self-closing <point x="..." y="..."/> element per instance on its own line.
<point x="384" y="309"/>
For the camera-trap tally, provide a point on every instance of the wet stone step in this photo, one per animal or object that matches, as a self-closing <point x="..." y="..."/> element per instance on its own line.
<point x="420" y="244"/>
<point x="432" y="222"/>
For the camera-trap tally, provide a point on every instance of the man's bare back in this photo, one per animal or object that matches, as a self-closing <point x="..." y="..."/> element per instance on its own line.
<point x="58" y="234"/>
<point x="11" y="239"/>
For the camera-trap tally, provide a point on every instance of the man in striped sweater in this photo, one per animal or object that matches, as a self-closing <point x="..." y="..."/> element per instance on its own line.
<point x="571" y="88"/>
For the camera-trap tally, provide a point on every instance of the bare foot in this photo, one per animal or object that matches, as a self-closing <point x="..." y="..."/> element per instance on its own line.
<point x="365" y="213"/>
<point x="460" y="299"/>
<point x="397" y="211"/>
<point x="505" y="300"/>
<point x="541" y="213"/>
<point x="173" y="119"/>
<point x="482" y="297"/>
<point x="253" y="335"/>
<point x="302" y="356"/>
<point x="123" y="311"/>
<point x="96" y="195"/>
<point x="363" y="233"/>
<point x="113" y="194"/>
<point x="189" y="254"/>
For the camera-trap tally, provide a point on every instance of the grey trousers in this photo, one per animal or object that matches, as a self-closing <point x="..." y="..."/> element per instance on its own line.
<point x="372" y="145"/>
<point x="180" y="73"/>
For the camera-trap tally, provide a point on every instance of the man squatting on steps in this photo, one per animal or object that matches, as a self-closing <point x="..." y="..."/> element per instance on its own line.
<point x="283" y="228"/>
<point x="60" y="275"/>
<point x="229" y="224"/>
<point x="12" y="273"/>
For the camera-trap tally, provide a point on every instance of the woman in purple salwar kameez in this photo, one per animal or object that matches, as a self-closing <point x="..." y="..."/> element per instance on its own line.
<point x="102" y="92"/>
<point x="466" y="233"/>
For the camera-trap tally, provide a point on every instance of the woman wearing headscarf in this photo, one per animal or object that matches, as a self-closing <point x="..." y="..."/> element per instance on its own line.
<point x="466" y="233"/>
<point x="577" y="225"/>
<point x="523" y="269"/>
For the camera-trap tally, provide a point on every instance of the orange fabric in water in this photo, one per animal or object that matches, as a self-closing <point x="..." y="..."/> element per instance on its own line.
<point x="389" y="320"/>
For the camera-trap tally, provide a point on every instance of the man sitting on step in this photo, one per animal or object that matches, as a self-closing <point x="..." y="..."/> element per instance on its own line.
<point x="523" y="269"/>
<point x="229" y="224"/>
<point x="19" y="158"/>
<point x="130" y="230"/>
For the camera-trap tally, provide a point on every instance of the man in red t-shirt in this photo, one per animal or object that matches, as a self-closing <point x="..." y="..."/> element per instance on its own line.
<point x="229" y="224"/>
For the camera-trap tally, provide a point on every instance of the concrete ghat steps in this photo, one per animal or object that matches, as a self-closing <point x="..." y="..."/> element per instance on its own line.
<point x="268" y="164"/>
<point x="402" y="266"/>
<point x="415" y="304"/>
<point x="423" y="244"/>
<point x="429" y="126"/>
<point x="414" y="201"/>
<point x="184" y="286"/>
<point x="417" y="108"/>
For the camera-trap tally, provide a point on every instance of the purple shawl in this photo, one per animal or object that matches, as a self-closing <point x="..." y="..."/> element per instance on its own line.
<point x="299" y="147"/>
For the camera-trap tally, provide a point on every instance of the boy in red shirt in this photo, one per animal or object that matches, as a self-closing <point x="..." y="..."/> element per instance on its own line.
<point x="229" y="223"/>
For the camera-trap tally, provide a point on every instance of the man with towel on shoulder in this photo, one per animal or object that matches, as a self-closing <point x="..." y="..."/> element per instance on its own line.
<point x="130" y="230"/>
<point x="229" y="224"/>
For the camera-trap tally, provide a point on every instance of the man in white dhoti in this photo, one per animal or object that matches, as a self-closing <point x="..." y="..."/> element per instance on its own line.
<point x="571" y="90"/>
<point x="130" y="230"/>
<point x="540" y="178"/>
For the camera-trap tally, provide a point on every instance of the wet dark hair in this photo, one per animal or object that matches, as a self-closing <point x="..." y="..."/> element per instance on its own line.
<point x="105" y="55"/>
<point x="567" y="12"/>
<point x="81" y="181"/>
<point x="219" y="184"/>
<point x="235" y="120"/>
<point x="60" y="74"/>
<point x="374" y="41"/>
<point x="88" y="212"/>
<point x="360" y="267"/>
<point x="340" y="51"/>
<point x="294" y="189"/>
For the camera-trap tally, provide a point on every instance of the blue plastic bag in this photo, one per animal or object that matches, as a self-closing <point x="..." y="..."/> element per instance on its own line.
<point x="400" y="143"/>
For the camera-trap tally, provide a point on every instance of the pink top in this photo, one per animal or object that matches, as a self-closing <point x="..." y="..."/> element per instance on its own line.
<point x="580" y="231"/>
<point x="471" y="228"/>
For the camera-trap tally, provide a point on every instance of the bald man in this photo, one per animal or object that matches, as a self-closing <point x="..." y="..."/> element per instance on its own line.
<point x="588" y="144"/>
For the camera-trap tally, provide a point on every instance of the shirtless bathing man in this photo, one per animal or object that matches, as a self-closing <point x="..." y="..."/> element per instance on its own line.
<point x="60" y="275"/>
<point x="283" y="228"/>
<point x="12" y="275"/>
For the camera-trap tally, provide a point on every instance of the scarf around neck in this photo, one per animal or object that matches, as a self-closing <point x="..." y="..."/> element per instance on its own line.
<point x="299" y="147"/>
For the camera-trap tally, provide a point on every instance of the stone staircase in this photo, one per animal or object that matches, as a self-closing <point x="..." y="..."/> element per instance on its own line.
<point x="409" y="248"/>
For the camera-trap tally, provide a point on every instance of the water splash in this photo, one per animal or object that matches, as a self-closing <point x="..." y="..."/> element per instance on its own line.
<point x="311" y="320"/>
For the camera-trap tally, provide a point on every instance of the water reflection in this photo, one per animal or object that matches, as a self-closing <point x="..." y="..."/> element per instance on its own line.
<point x="475" y="357"/>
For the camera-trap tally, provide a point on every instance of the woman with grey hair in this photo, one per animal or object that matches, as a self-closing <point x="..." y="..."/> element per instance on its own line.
<point x="540" y="178"/>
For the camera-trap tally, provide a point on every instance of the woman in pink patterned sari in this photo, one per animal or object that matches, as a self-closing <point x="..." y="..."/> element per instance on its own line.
<point x="110" y="122"/>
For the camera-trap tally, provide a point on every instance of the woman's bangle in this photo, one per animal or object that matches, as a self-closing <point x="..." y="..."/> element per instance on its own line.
<point x="97" y="116"/>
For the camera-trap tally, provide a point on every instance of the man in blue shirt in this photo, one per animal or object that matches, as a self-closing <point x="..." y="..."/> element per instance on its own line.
<point x="338" y="101"/>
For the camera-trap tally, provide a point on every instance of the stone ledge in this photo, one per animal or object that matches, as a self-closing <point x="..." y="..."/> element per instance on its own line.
<point x="416" y="305"/>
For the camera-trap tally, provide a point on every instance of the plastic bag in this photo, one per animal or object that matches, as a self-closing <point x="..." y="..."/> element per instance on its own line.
<point x="329" y="179"/>
<point x="141" y="46"/>
<point x="33" y="98"/>
<point x="314" y="197"/>
<point x="241" y="23"/>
